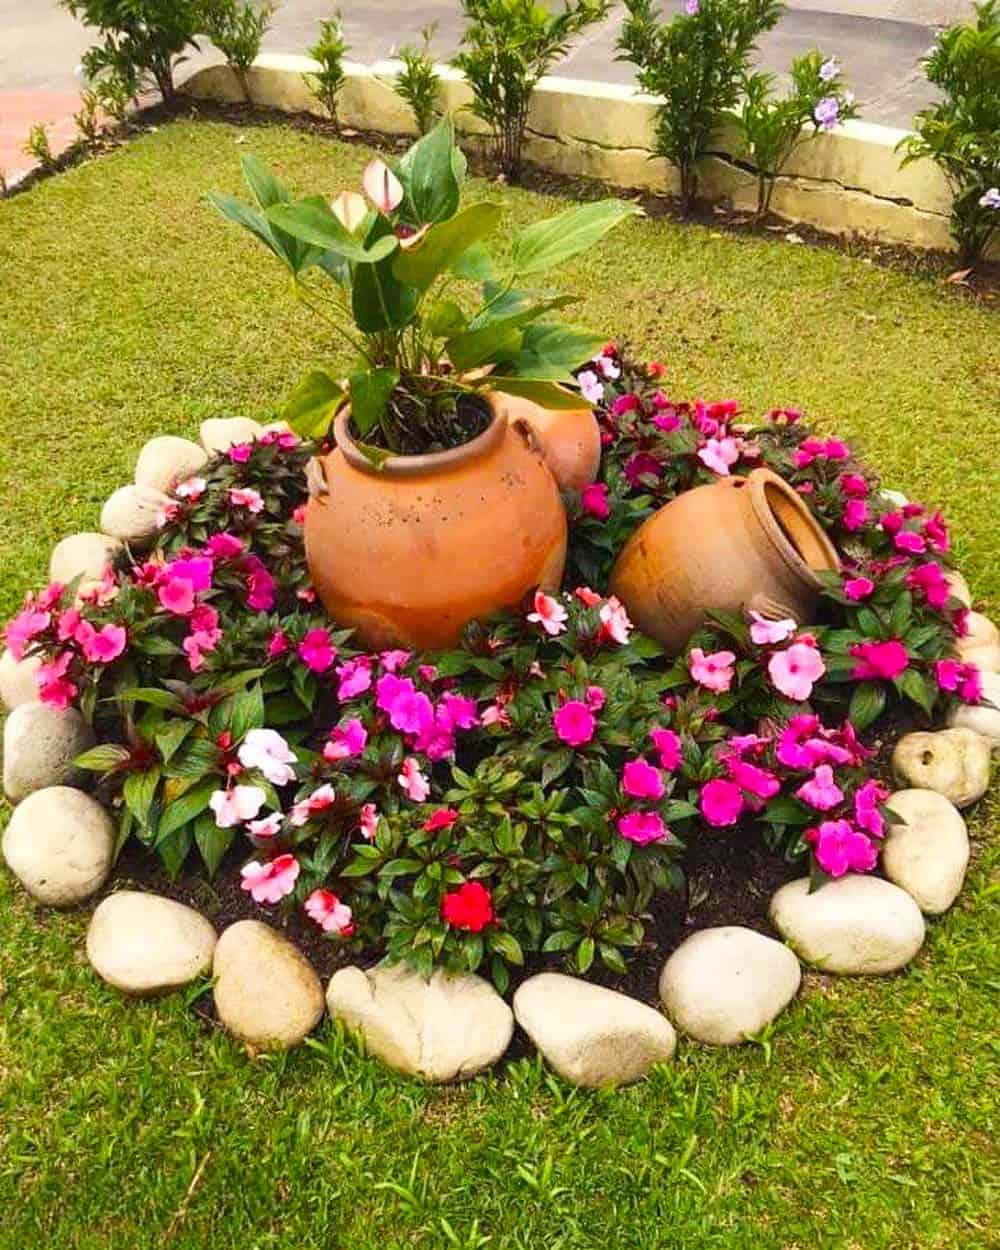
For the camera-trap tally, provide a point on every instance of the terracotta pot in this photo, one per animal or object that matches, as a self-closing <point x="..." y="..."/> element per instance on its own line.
<point x="571" y="440"/>
<point x="740" y="542"/>
<point x="410" y="553"/>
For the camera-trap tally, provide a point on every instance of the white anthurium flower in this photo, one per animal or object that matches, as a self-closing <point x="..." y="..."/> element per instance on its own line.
<point x="350" y="210"/>
<point x="382" y="186"/>
<point x="266" y="750"/>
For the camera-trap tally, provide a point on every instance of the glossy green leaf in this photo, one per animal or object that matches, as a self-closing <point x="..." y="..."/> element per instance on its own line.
<point x="551" y="242"/>
<point x="139" y="791"/>
<point x="444" y="244"/>
<point x="867" y="704"/>
<point x="185" y="809"/>
<point x="102" y="758"/>
<point x="212" y="842"/>
<point x="444" y="319"/>
<point x="262" y="184"/>
<point x="313" y="221"/>
<point x="379" y="300"/>
<point x="313" y="403"/>
<point x="431" y="175"/>
<point x="550" y="350"/>
<point x="370" y="391"/>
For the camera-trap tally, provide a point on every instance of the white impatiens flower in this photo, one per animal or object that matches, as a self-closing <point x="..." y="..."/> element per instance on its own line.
<point x="233" y="807"/>
<point x="266" y="750"/>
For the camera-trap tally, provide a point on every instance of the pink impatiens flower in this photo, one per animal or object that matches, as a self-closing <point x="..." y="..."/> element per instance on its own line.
<point x="866" y="808"/>
<point x="858" y="588"/>
<point x="642" y="827"/>
<point x="721" y="802"/>
<point x="615" y="623"/>
<point x="330" y="913"/>
<point x="594" y="501"/>
<point x="765" y="632"/>
<point x="549" y="613"/>
<point x="267" y="751"/>
<point x="412" y="781"/>
<point x="856" y="515"/>
<point x="345" y="741"/>
<point x="24" y="629"/>
<point x="277" y="644"/>
<point x="233" y="807"/>
<point x="756" y="781"/>
<point x="879" y="661"/>
<point x="101" y="646"/>
<point x="668" y="744"/>
<point x="176" y="595"/>
<point x="54" y="688"/>
<point x="821" y="791"/>
<point x="443" y="818"/>
<point x="839" y="848"/>
<point x="368" y="821"/>
<point x="714" y="671"/>
<point x="910" y="541"/>
<point x="316" y="651"/>
<point x="354" y="677"/>
<point x="642" y="781"/>
<point x="961" y="679"/>
<point x="271" y="880"/>
<point x="720" y="454"/>
<point x="246" y="497"/>
<point x="267" y="827"/>
<point x="322" y="798"/>
<point x="224" y="546"/>
<point x="574" y="723"/>
<point x="795" y="670"/>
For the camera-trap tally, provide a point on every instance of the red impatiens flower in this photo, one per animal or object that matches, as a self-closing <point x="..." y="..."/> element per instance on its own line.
<point x="443" y="818"/>
<point x="470" y="907"/>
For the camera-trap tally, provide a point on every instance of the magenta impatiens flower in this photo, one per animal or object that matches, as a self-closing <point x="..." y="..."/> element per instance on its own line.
<point x="271" y="880"/>
<point x="721" y="802"/>
<point x="354" y="677"/>
<point x="574" y="723"/>
<point x="866" y="808"/>
<point x="859" y="588"/>
<point x="962" y="679"/>
<point x="55" y="689"/>
<point x="24" y="629"/>
<point x="642" y="827"/>
<point x="224" y="546"/>
<point x="839" y="848"/>
<point x="879" y="661"/>
<point x="594" y="501"/>
<point x="101" y="646"/>
<point x="316" y="651"/>
<point x="756" y="781"/>
<point x="795" y="670"/>
<point x="346" y="740"/>
<point x="714" y="671"/>
<point x="642" y="781"/>
<point x="549" y="613"/>
<point x="910" y="541"/>
<point x="856" y="515"/>
<point x="821" y="791"/>
<point x="668" y="744"/>
<point x="176" y="595"/>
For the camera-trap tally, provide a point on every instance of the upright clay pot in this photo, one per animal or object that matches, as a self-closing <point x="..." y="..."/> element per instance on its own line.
<point x="570" y="439"/>
<point x="740" y="542"/>
<point x="409" y="553"/>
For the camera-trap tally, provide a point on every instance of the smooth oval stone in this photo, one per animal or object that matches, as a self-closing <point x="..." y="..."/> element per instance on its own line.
<point x="218" y="434"/>
<point x="928" y="854"/>
<point x="83" y="555"/>
<point x="39" y="746"/>
<point x="132" y="513"/>
<point x="166" y="460"/>
<point x="146" y="944"/>
<point x="59" y="844"/>
<point x="17" y="680"/>
<point x="954" y="762"/>
<point x="982" y="718"/>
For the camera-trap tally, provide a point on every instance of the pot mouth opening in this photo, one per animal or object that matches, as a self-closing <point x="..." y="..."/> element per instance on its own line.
<point x="798" y="532"/>
<point x="419" y="465"/>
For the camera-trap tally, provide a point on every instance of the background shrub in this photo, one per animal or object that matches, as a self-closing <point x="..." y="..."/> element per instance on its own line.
<point x="237" y="31"/>
<point x="507" y="47"/>
<point x="329" y="50"/>
<point x="419" y="81"/>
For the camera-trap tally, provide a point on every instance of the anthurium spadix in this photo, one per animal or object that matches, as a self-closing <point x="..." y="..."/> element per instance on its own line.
<point x="391" y="251"/>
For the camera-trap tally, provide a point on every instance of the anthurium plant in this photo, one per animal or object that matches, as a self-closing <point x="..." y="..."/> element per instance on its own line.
<point x="382" y="269"/>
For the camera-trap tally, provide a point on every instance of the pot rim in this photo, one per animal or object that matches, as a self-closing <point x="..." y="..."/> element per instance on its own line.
<point x="419" y="466"/>
<point x="759" y="480"/>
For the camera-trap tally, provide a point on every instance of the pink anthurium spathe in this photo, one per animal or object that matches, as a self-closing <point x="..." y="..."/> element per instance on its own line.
<point x="382" y="186"/>
<point x="350" y="210"/>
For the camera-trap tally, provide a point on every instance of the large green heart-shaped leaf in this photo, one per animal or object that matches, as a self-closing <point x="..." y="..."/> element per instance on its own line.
<point x="551" y="242"/>
<point x="370" y="391"/>
<point x="312" y="221"/>
<point x="444" y="244"/>
<point x="553" y="350"/>
<point x="431" y="176"/>
<point x="313" y="403"/>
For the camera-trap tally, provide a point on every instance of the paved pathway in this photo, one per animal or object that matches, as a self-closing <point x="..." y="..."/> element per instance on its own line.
<point x="878" y="43"/>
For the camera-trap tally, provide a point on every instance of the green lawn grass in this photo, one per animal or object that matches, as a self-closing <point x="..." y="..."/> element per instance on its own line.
<point x="868" y="1121"/>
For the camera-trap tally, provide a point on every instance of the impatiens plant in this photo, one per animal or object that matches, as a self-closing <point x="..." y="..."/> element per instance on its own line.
<point x="529" y="793"/>
<point x="379" y="267"/>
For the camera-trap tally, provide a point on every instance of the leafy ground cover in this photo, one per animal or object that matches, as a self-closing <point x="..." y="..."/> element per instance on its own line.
<point x="866" y="1120"/>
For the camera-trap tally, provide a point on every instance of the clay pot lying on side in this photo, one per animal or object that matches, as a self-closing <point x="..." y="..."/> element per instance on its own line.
<point x="409" y="553"/>
<point x="740" y="542"/>
<point x="570" y="439"/>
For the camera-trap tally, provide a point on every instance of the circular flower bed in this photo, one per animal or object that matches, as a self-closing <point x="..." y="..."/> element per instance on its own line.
<point x="533" y="791"/>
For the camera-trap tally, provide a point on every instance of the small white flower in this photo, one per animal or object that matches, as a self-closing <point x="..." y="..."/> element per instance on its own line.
<point x="266" y="750"/>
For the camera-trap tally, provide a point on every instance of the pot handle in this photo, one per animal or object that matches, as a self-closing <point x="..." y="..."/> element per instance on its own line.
<point x="770" y="608"/>
<point x="316" y="478"/>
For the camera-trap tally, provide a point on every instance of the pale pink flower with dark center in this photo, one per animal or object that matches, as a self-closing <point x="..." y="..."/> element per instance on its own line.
<point x="272" y="880"/>
<point x="642" y="827"/>
<point x="574" y="723"/>
<point x="246" y="497"/>
<point x="714" y="671"/>
<point x="330" y="913"/>
<point x="191" y="489"/>
<point x="234" y="806"/>
<point x="322" y="798"/>
<point x="591" y="386"/>
<point x="642" y="781"/>
<point x="765" y="632"/>
<point x="720" y="454"/>
<point x="346" y="740"/>
<point x="267" y="827"/>
<point x="412" y="781"/>
<point x="795" y="670"/>
<point x="821" y="791"/>
<point x="589" y="598"/>
<point x="267" y="751"/>
<point x="549" y="613"/>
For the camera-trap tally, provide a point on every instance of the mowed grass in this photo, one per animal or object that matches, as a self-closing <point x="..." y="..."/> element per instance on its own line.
<point x="866" y="1121"/>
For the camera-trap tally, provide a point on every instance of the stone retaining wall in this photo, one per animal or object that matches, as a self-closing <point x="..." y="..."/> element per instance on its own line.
<point x="847" y="182"/>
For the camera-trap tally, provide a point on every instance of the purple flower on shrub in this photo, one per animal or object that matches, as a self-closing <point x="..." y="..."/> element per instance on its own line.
<point x="691" y="7"/>
<point x="991" y="199"/>
<point x="829" y="69"/>
<point x="827" y="112"/>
